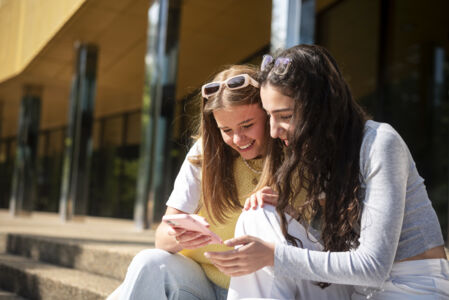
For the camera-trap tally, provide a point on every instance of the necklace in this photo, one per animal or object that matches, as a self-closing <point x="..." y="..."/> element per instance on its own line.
<point x="251" y="168"/>
<point x="257" y="172"/>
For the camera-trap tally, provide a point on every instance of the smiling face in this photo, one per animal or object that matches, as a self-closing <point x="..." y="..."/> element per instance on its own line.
<point x="243" y="128"/>
<point x="279" y="108"/>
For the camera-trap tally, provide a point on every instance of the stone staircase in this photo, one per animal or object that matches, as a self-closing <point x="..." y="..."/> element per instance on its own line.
<point x="43" y="258"/>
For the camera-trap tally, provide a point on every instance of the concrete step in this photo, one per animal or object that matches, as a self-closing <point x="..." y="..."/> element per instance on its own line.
<point x="5" y="295"/>
<point x="107" y="258"/>
<point x="38" y="280"/>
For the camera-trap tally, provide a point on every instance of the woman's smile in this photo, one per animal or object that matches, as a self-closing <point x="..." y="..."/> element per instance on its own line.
<point x="243" y="128"/>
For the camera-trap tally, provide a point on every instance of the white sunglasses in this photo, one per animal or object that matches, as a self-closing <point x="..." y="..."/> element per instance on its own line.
<point x="234" y="83"/>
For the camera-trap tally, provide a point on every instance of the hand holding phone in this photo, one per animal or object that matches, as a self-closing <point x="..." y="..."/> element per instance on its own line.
<point x="192" y="222"/>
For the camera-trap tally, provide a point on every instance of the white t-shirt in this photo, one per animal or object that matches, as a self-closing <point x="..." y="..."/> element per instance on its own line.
<point x="187" y="189"/>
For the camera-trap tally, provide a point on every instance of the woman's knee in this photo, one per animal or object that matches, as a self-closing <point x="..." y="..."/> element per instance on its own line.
<point x="149" y="259"/>
<point x="252" y="221"/>
<point x="255" y="215"/>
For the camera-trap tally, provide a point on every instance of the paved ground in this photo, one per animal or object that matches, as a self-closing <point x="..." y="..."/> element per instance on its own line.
<point x="120" y="233"/>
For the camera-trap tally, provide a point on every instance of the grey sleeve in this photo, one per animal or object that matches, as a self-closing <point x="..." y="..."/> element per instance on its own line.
<point x="384" y="167"/>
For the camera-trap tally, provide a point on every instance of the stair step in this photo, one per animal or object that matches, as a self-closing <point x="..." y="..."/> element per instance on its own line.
<point x="5" y="295"/>
<point x="108" y="258"/>
<point x="38" y="280"/>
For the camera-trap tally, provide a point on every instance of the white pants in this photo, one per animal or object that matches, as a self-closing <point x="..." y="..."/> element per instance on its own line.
<point x="426" y="279"/>
<point x="264" y="223"/>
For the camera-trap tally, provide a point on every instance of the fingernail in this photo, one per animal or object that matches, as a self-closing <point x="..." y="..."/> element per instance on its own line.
<point x="207" y="254"/>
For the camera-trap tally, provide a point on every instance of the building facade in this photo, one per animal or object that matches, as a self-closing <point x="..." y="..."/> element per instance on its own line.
<point x="98" y="98"/>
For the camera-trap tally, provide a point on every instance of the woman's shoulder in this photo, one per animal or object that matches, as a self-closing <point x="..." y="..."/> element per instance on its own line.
<point x="381" y="139"/>
<point x="373" y="127"/>
<point x="196" y="149"/>
<point x="379" y="133"/>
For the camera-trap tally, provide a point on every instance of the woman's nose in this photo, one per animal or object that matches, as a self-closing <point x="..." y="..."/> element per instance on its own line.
<point x="274" y="129"/>
<point x="237" y="138"/>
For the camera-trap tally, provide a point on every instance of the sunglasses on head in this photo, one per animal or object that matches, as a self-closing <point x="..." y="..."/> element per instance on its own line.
<point x="279" y="65"/>
<point x="234" y="83"/>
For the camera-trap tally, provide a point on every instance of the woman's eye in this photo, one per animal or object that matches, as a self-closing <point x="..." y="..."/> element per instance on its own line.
<point x="247" y="126"/>
<point x="286" y="117"/>
<point x="226" y="130"/>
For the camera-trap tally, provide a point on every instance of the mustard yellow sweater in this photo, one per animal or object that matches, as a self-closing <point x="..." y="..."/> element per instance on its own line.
<point x="246" y="181"/>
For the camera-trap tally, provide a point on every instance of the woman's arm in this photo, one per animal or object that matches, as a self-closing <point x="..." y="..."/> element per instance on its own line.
<point x="183" y="199"/>
<point x="385" y="168"/>
<point x="165" y="239"/>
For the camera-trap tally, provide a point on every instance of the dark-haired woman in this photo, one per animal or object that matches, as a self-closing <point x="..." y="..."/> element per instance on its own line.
<point x="364" y="194"/>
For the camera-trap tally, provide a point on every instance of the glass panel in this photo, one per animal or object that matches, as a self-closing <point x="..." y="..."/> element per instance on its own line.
<point x="416" y="98"/>
<point x="399" y="71"/>
<point x="114" y="166"/>
<point x="41" y="144"/>
<point x="3" y="153"/>
<point x="338" y="29"/>
<point x="96" y="134"/>
<point x="5" y="175"/>
<point x="56" y="142"/>
<point x="134" y="126"/>
<point x="49" y="169"/>
<point x="12" y="148"/>
<point x="113" y="131"/>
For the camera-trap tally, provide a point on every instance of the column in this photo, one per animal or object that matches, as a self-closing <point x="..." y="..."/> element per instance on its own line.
<point x="161" y="63"/>
<point x="23" y="190"/>
<point x="2" y="105"/>
<point x="77" y="143"/>
<point x="292" y="23"/>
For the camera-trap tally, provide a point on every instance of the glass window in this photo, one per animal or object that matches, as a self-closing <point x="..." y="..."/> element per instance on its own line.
<point x="113" y="128"/>
<point x="133" y="128"/>
<point x="394" y="54"/>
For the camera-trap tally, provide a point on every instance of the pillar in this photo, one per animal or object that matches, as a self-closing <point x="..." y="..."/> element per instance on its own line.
<point x="78" y="141"/>
<point x="23" y="190"/>
<point x="292" y="23"/>
<point x="161" y="63"/>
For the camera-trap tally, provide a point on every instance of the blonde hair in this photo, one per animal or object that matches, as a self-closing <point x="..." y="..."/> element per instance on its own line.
<point x="218" y="184"/>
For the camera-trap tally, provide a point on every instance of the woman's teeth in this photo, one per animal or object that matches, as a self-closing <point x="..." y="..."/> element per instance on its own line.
<point x="246" y="146"/>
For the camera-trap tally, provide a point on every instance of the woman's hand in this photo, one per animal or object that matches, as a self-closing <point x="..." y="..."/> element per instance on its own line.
<point x="265" y="195"/>
<point x="174" y="239"/>
<point x="188" y="239"/>
<point x="252" y="255"/>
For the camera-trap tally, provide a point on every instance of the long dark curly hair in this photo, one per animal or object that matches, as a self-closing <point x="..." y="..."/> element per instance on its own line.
<point x="324" y="146"/>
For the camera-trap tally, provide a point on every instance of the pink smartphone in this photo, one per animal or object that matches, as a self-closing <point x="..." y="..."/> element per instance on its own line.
<point x="193" y="223"/>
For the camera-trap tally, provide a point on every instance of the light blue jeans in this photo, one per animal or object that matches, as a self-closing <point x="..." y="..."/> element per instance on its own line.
<point x="158" y="274"/>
